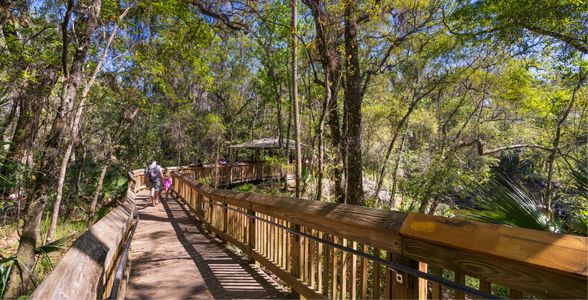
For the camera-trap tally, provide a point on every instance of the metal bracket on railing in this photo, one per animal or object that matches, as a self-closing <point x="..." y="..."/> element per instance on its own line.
<point x="399" y="278"/>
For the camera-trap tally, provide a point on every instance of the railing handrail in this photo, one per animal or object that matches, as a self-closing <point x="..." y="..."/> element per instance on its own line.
<point x="87" y="269"/>
<point x="540" y="263"/>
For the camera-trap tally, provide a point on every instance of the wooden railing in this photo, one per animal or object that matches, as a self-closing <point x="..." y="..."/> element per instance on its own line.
<point x="87" y="270"/>
<point x="326" y="250"/>
<point x="233" y="174"/>
<point x="336" y="251"/>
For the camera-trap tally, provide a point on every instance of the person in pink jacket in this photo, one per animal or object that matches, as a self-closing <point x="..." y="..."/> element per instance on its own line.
<point x="167" y="182"/>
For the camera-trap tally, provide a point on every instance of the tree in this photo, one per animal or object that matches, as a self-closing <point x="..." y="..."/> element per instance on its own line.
<point x="294" y="86"/>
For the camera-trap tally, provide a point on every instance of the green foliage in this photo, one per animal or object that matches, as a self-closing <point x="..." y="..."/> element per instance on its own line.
<point x="579" y="174"/>
<point x="246" y="187"/>
<point x="7" y="263"/>
<point x="511" y="204"/>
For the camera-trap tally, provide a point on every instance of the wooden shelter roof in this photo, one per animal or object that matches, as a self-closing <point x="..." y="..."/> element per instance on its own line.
<point x="266" y="143"/>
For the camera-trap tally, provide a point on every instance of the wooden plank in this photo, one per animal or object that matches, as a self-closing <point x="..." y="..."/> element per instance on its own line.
<point x="404" y="286"/>
<point x="436" y="289"/>
<point x="280" y="246"/>
<point x="326" y="268"/>
<point x="225" y="218"/>
<point x="388" y="279"/>
<point x="514" y="294"/>
<point x="344" y="271"/>
<point x="295" y="268"/>
<point x="319" y="270"/>
<point x="312" y="258"/>
<point x="251" y="237"/>
<point x="460" y="279"/>
<point x="422" y="283"/>
<point x="353" y="275"/>
<point x="376" y="277"/>
<point x="536" y="281"/>
<point x="91" y="260"/>
<point x="334" y="270"/>
<point x="265" y="237"/>
<point x="557" y="252"/>
<point x="271" y="240"/>
<point x="485" y="286"/>
<point x="363" y="283"/>
<point x="284" y="246"/>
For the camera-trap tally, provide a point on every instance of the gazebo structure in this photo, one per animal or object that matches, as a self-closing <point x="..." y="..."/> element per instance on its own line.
<point x="270" y="145"/>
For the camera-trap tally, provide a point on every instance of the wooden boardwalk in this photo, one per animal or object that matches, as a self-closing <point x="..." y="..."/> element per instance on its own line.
<point x="172" y="258"/>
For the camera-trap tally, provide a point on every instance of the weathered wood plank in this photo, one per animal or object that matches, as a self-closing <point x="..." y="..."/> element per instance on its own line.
<point x="85" y="267"/>
<point x="512" y="274"/>
<point x="556" y="252"/>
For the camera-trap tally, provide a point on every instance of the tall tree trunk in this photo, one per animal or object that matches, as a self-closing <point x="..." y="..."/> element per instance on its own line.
<point x="19" y="279"/>
<point x="353" y="99"/>
<point x="7" y="130"/>
<point x="74" y="80"/>
<point x="395" y="172"/>
<point x="321" y="143"/>
<point x="31" y="99"/>
<point x="288" y="146"/>
<point x="37" y="198"/>
<point x="294" y="4"/>
<point x="81" y="170"/>
<point x="328" y="46"/>
<point x="21" y="276"/>
<point x="337" y="144"/>
<point x="97" y="193"/>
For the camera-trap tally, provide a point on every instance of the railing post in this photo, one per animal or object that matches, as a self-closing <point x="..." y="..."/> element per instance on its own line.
<point x="251" y="234"/>
<point x="230" y="175"/>
<point x="210" y="213"/>
<point x="295" y="261"/>
<point x="436" y="292"/>
<point x="200" y="208"/>
<point x="225" y="217"/>
<point x="404" y="286"/>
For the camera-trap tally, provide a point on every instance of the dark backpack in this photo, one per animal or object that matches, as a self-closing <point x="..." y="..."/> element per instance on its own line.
<point x="152" y="173"/>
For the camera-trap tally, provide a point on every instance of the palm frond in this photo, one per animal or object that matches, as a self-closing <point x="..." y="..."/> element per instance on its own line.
<point x="510" y="204"/>
<point x="579" y="174"/>
<point x="6" y="264"/>
<point x="54" y="246"/>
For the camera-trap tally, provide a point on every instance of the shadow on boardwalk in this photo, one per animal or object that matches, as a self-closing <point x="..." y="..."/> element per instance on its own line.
<point x="174" y="259"/>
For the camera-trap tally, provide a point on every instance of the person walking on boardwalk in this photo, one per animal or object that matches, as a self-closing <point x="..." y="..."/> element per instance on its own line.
<point x="167" y="182"/>
<point x="154" y="176"/>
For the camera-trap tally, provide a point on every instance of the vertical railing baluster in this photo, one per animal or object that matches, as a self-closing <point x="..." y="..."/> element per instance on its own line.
<point x="334" y="270"/>
<point x="353" y="275"/>
<point x="459" y="278"/>
<point x="344" y="271"/>
<point x="376" y="275"/>
<point x="422" y="283"/>
<point x="251" y="239"/>
<point x="436" y="289"/>
<point x="363" y="283"/>
<point x="295" y="252"/>
<point x="326" y="268"/>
